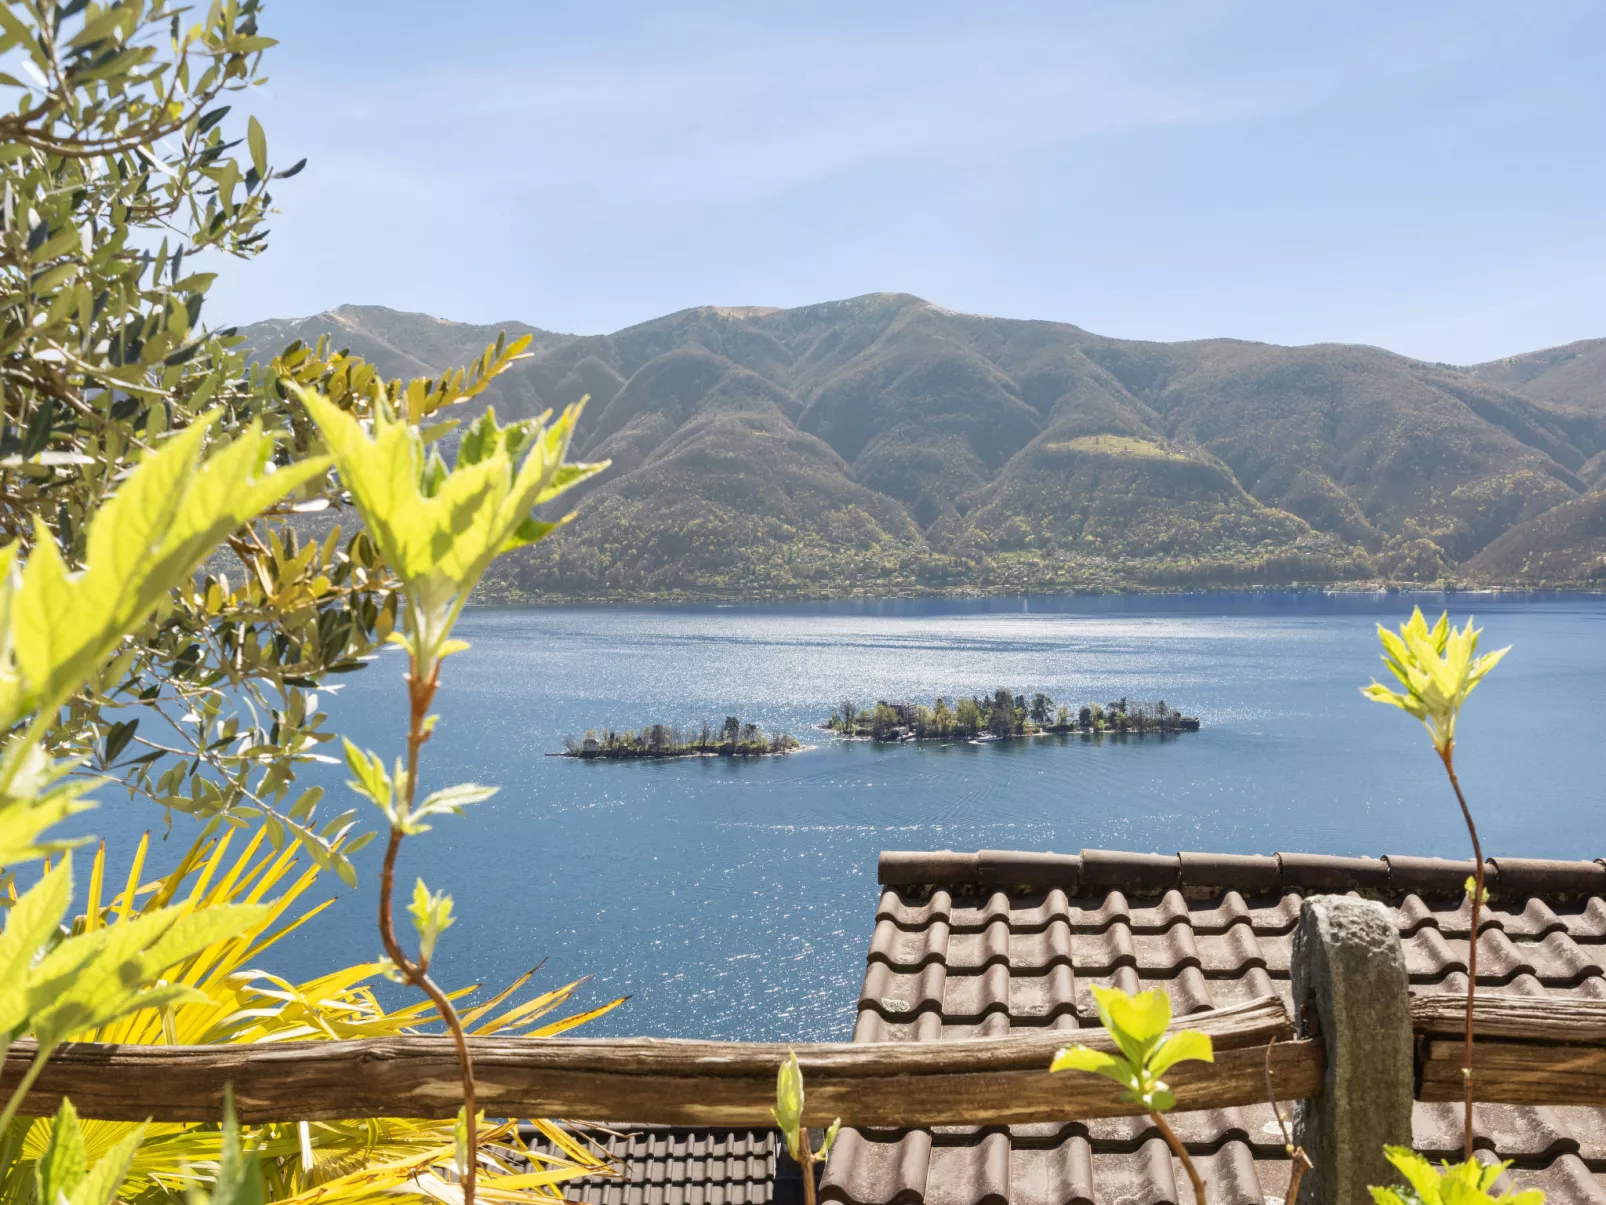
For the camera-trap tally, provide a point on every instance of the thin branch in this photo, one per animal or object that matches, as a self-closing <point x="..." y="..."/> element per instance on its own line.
<point x="806" y="1162"/>
<point x="1301" y="1161"/>
<point x="420" y="690"/>
<point x="1447" y="755"/>
<point x="1181" y="1153"/>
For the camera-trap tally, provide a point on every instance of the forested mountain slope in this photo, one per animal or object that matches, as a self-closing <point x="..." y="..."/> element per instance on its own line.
<point x="887" y="445"/>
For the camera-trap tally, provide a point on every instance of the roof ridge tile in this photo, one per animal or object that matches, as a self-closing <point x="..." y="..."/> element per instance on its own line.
<point x="989" y="871"/>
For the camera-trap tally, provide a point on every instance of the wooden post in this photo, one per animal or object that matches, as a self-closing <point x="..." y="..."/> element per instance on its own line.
<point x="1351" y="990"/>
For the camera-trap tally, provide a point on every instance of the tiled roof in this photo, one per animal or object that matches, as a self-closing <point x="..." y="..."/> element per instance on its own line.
<point x="686" y="1165"/>
<point x="987" y="943"/>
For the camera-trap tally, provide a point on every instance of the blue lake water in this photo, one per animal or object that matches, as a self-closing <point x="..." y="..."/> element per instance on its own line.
<point x="735" y="899"/>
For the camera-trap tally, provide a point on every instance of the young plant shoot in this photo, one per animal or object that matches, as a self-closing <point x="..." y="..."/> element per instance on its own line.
<point x="439" y="529"/>
<point x="788" y="1113"/>
<point x="1439" y="667"/>
<point x="1138" y="1025"/>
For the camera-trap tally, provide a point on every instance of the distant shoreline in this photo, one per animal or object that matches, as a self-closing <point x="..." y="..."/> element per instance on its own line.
<point x="511" y="601"/>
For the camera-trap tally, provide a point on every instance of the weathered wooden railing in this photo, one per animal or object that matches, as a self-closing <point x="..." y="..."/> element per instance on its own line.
<point x="975" y="1081"/>
<point x="1363" y="1050"/>
<point x="1528" y="1050"/>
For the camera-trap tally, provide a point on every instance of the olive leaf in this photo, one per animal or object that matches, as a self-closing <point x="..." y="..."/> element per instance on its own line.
<point x="166" y="518"/>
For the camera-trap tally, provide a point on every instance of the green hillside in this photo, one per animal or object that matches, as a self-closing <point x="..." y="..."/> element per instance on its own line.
<point x="1574" y="375"/>
<point x="885" y="445"/>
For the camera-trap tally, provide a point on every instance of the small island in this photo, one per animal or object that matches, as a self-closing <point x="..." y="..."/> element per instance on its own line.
<point x="733" y="738"/>
<point x="1003" y="716"/>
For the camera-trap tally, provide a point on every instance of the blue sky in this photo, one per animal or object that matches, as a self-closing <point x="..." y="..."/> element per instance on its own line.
<point x="1428" y="177"/>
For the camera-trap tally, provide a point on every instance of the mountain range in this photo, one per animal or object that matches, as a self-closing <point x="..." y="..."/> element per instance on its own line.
<point x="884" y="445"/>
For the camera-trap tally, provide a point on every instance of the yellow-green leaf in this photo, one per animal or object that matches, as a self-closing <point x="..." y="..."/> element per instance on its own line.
<point x="65" y="1163"/>
<point x="432" y="916"/>
<point x="1099" y="1062"/>
<point x="1438" y="667"/>
<point x="1466" y="1183"/>
<point x="94" y="978"/>
<point x="169" y="514"/>
<point x="1135" y="1021"/>
<point x="441" y="530"/>
<point x="30" y="922"/>
<point x="788" y="1110"/>
<point x="1187" y="1046"/>
<point x="101" y="1185"/>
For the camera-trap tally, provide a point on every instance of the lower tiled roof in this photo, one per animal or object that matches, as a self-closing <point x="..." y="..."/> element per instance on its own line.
<point x="995" y="942"/>
<point x="689" y="1165"/>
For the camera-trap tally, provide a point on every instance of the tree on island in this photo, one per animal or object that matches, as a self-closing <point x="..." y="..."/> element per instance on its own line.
<point x="967" y="719"/>
<point x="1005" y="715"/>
<point x="733" y="738"/>
<point x="1002" y="721"/>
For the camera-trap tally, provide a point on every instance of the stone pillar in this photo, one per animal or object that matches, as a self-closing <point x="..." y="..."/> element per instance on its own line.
<point x="1350" y="986"/>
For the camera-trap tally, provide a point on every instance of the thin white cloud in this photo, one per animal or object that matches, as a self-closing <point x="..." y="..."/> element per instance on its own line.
<point x="739" y="118"/>
<point x="765" y="155"/>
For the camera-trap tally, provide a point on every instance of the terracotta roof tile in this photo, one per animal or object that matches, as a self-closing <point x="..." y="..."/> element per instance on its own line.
<point x="1591" y="922"/>
<point x="1146" y="1176"/>
<point x="680" y="1165"/>
<point x="1009" y="869"/>
<point x="1094" y="871"/>
<point x="974" y="1171"/>
<point x="1229" y="1175"/>
<point x="981" y="944"/>
<point x="1104" y="869"/>
<point x="1566" y="1179"/>
<point x="1258" y="875"/>
<point x="865" y="1167"/>
<point x="1212" y="931"/>
<point x="1061" y="1174"/>
<point x="1433" y="876"/>
<point x="1533" y="876"/>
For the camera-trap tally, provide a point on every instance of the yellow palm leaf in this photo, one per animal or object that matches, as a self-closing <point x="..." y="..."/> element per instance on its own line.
<point x="373" y="1159"/>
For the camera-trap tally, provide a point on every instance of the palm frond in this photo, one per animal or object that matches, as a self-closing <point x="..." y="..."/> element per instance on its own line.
<point x="318" y="1163"/>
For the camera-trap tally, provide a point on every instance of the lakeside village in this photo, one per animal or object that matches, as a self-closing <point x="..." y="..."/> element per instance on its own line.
<point x="1000" y="716"/>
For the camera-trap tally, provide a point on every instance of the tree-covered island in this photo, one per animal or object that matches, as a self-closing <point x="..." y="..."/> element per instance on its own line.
<point x="1002" y="716"/>
<point x="733" y="738"/>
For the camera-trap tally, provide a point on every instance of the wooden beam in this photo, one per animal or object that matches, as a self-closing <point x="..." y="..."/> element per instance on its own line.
<point x="892" y="1084"/>
<point x="1520" y="1018"/>
<point x="1516" y="1073"/>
